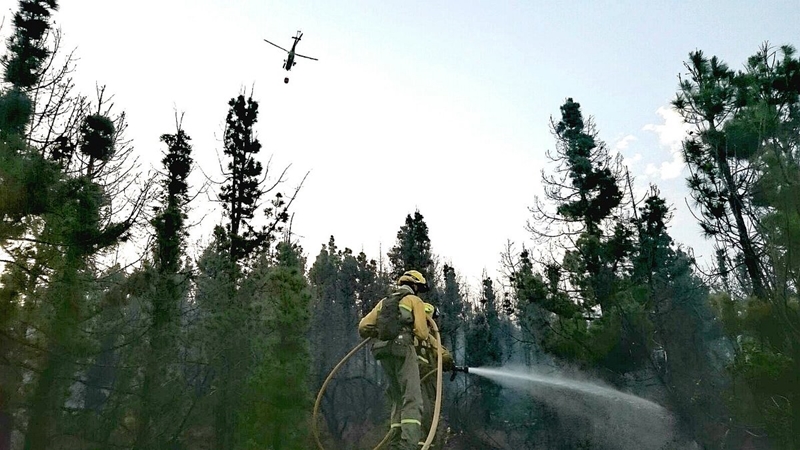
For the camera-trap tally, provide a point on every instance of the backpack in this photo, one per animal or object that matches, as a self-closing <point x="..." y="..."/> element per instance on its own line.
<point x="389" y="323"/>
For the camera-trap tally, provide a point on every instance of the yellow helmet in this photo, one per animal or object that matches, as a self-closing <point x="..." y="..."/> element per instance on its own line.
<point x="414" y="278"/>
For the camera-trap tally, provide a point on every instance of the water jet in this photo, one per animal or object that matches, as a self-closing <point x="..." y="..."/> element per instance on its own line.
<point x="618" y="419"/>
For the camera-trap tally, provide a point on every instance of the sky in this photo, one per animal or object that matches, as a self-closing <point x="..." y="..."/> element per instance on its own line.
<point x="436" y="106"/>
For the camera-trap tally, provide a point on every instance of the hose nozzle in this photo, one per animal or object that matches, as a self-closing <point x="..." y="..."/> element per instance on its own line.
<point x="457" y="369"/>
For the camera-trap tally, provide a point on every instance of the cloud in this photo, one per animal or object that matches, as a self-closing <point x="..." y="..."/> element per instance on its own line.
<point x="672" y="131"/>
<point x="670" y="136"/>
<point x="624" y="142"/>
<point x="667" y="170"/>
<point x="632" y="160"/>
<point x="621" y="145"/>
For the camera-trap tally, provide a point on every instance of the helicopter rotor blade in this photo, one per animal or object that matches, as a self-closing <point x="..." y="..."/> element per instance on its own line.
<point x="276" y="45"/>
<point x="307" y="57"/>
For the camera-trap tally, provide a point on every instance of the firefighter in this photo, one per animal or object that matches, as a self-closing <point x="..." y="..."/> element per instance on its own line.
<point x="398" y="356"/>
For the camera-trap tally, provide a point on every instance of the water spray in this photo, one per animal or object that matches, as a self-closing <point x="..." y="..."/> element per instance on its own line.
<point x="619" y="419"/>
<point x="560" y="383"/>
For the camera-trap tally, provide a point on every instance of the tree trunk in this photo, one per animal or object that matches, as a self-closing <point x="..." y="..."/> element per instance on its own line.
<point x="748" y="250"/>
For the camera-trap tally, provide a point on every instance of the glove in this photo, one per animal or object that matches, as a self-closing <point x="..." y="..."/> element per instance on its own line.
<point x="368" y="332"/>
<point x="447" y="363"/>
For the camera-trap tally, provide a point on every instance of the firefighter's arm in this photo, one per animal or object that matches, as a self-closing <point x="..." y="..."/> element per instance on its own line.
<point x="447" y="359"/>
<point x="420" y="319"/>
<point x="366" y="328"/>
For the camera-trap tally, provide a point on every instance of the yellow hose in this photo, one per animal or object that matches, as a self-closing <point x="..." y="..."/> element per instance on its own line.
<point x="438" y="404"/>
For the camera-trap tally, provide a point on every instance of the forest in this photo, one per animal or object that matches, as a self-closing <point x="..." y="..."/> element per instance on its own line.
<point x="228" y="350"/>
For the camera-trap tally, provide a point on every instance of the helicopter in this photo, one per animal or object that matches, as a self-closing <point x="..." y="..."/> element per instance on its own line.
<point x="289" y="61"/>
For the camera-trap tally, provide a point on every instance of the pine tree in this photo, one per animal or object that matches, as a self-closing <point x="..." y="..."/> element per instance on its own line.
<point x="159" y="392"/>
<point x="588" y="166"/>
<point x="412" y="251"/>
<point x="26" y="179"/>
<point x="26" y="45"/>
<point x="243" y="243"/>
<point x="242" y="192"/>
<point x="574" y="303"/>
<point x="489" y="303"/>
<point x="451" y="306"/>
<point x="654" y="244"/>
<point x="589" y="199"/>
<point x="371" y="284"/>
<point x="721" y="174"/>
<point x="743" y="156"/>
<point x="239" y="240"/>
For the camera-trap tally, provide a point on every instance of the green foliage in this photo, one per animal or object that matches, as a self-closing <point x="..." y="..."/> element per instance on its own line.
<point x="450" y="301"/>
<point x="616" y="340"/>
<point x="621" y="297"/>
<point x="230" y="358"/>
<point x="654" y="246"/>
<point x="76" y="226"/>
<point x="593" y="182"/>
<point x="178" y="163"/>
<point x="276" y="399"/>
<point x="169" y="222"/>
<point x="27" y="180"/>
<point x="727" y="309"/>
<point x="29" y="187"/>
<point x="484" y="348"/>
<point x="104" y="360"/>
<point x="15" y="112"/>
<point x="223" y="315"/>
<point x="371" y="284"/>
<point x="228" y="306"/>
<point x="334" y="314"/>
<point x="27" y="50"/>
<point x="412" y="251"/>
<point x="579" y="308"/>
<point x="159" y="387"/>
<point x="344" y="288"/>
<point x="753" y="132"/>
<point x="240" y="196"/>
<point x="97" y="137"/>
<point x="483" y="341"/>
<point x="586" y="196"/>
<point x="719" y="153"/>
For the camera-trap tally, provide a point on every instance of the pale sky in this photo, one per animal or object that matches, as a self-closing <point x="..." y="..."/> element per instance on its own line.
<point x="441" y="106"/>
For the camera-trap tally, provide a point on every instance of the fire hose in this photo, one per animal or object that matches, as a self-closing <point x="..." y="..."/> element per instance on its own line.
<point x="437" y="403"/>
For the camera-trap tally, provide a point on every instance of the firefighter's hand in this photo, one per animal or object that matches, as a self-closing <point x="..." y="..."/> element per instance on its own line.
<point x="448" y="365"/>
<point x="368" y="332"/>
